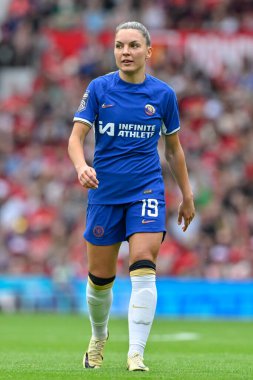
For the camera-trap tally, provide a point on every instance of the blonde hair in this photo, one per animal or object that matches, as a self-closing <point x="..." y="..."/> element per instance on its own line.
<point x="138" y="26"/>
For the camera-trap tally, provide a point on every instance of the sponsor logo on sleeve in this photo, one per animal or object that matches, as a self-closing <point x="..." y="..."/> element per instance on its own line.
<point x="84" y="101"/>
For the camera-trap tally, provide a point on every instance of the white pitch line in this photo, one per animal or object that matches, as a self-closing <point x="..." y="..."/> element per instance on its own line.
<point x="182" y="336"/>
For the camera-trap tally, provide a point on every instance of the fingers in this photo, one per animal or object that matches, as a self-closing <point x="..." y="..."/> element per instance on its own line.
<point x="187" y="222"/>
<point x="186" y="213"/>
<point x="87" y="177"/>
<point x="179" y="219"/>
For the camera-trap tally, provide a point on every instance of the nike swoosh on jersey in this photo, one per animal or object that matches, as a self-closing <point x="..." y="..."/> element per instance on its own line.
<point x="104" y="105"/>
<point x="145" y="221"/>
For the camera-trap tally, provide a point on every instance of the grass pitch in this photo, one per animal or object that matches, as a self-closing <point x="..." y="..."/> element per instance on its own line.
<point x="50" y="347"/>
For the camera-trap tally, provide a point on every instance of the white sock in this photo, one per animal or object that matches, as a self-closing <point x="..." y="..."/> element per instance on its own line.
<point x="99" y="304"/>
<point x="141" y="311"/>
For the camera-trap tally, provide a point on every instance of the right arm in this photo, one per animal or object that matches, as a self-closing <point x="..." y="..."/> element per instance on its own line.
<point x="86" y="174"/>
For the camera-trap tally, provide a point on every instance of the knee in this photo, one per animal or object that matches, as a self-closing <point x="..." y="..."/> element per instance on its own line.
<point x="101" y="271"/>
<point x="99" y="283"/>
<point x="139" y="256"/>
<point x="145" y="246"/>
<point x="142" y="267"/>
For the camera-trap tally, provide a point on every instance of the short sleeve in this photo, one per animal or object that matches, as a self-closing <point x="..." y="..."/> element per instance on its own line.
<point x="88" y="108"/>
<point x="171" y="123"/>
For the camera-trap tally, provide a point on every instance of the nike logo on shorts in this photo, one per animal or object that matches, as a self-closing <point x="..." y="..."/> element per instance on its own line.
<point x="104" y="105"/>
<point x="145" y="221"/>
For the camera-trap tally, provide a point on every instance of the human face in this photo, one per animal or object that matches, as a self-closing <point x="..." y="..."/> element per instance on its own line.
<point x="131" y="52"/>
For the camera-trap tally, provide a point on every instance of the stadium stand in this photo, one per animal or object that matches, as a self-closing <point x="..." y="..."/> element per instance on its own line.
<point x="49" y="51"/>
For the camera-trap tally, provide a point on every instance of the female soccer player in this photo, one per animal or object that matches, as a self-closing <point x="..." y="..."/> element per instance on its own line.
<point x="129" y="111"/>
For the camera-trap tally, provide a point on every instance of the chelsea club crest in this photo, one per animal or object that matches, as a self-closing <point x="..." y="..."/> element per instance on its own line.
<point x="149" y="109"/>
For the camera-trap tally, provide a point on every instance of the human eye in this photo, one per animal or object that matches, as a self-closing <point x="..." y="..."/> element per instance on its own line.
<point x="135" y="45"/>
<point x="118" y="46"/>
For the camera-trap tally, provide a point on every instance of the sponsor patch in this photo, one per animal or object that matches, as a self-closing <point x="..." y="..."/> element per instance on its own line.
<point x="149" y="191"/>
<point x="98" y="231"/>
<point x="84" y="101"/>
<point x="104" y="105"/>
<point x="149" y="109"/>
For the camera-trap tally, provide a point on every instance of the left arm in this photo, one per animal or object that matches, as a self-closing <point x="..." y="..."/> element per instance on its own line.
<point x="176" y="159"/>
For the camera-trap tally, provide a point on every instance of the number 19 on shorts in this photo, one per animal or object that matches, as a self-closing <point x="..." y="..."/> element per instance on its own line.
<point x="149" y="207"/>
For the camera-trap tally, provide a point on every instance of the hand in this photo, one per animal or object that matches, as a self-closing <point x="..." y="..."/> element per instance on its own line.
<point x="87" y="177"/>
<point x="186" y="212"/>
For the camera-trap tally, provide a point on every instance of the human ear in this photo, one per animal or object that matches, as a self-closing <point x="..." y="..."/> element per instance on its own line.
<point x="149" y="52"/>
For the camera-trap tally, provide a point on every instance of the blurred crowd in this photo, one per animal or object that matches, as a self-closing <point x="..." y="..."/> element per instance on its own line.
<point x="49" y="52"/>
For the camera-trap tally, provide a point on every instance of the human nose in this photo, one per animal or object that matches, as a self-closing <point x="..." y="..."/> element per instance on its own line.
<point x="125" y="50"/>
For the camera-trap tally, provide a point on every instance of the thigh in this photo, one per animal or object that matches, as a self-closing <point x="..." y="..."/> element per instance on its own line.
<point x="146" y="216"/>
<point x="144" y="246"/>
<point x="105" y="224"/>
<point x="102" y="260"/>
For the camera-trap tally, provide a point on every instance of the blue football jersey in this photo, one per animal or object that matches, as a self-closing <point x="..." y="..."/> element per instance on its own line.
<point x="128" y="120"/>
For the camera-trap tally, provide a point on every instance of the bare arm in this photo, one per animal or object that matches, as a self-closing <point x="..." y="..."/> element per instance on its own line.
<point x="86" y="174"/>
<point x="175" y="157"/>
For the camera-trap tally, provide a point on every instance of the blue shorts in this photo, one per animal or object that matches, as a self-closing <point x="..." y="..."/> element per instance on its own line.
<point x="110" y="224"/>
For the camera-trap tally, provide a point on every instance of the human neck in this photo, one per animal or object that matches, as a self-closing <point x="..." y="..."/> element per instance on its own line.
<point x="134" y="78"/>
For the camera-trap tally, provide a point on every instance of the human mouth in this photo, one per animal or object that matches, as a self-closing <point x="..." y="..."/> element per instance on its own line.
<point x="126" y="61"/>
